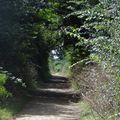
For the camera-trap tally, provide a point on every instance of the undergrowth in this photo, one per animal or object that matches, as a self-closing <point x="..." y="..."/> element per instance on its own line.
<point x="10" y="104"/>
<point x="59" y="67"/>
<point x="98" y="89"/>
<point x="86" y="112"/>
<point x="11" y="107"/>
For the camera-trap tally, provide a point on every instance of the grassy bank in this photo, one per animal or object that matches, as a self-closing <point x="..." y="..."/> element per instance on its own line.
<point x="10" y="104"/>
<point x="86" y="113"/>
<point x="11" y="107"/>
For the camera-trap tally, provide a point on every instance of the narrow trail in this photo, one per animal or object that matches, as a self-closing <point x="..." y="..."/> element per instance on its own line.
<point x="55" y="101"/>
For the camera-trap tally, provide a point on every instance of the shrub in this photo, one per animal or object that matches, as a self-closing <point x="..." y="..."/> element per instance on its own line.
<point x="3" y="92"/>
<point x="98" y="89"/>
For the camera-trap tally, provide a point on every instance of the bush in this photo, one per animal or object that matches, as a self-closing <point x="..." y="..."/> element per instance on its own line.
<point x="12" y="96"/>
<point x="98" y="89"/>
<point x="3" y="92"/>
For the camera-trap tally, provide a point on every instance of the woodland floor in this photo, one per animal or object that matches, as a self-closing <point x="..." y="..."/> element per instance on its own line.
<point x="55" y="101"/>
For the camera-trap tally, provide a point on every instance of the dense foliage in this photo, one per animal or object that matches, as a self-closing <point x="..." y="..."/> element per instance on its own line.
<point x="81" y="31"/>
<point x="94" y="36"/>
<point x="28" y="33"/>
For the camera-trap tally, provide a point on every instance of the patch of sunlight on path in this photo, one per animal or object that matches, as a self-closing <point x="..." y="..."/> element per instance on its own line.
<point x="51" y="107"/>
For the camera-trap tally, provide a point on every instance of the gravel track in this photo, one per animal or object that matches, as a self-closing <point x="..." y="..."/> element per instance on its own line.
<point x="53" y="102"/>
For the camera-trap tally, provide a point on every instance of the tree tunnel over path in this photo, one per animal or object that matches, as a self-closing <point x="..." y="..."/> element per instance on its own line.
<point x="30" y="30"/>
<point x="41" y="38"/>
<point x="27" y="36"/>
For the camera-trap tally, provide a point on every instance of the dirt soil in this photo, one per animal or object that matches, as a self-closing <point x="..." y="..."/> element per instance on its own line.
<point x="55" y="101"/>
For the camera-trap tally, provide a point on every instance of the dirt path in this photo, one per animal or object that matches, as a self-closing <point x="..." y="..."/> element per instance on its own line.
<point x="53" y="102"/>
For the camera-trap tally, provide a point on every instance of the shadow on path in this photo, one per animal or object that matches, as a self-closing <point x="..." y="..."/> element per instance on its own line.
<point x="52" y="102"/>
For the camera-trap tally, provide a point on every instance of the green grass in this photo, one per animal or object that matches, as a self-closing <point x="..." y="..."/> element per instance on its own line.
<point x="3" y="92"/>
<point x="59" y="67"/>
<point x="3" y="79"/>
<point x="5" y="115"/>
<point x="86" y="113"/>
<point x="75" y="85"/>
<point x="11" y="107"/>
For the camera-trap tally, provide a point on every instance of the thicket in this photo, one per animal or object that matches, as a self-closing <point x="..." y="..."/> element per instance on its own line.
<point x="29" y="31"/>
<point x="91" y="30"/>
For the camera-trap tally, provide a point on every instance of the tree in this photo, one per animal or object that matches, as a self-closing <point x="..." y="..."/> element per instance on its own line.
<point x="27" y="37"/>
